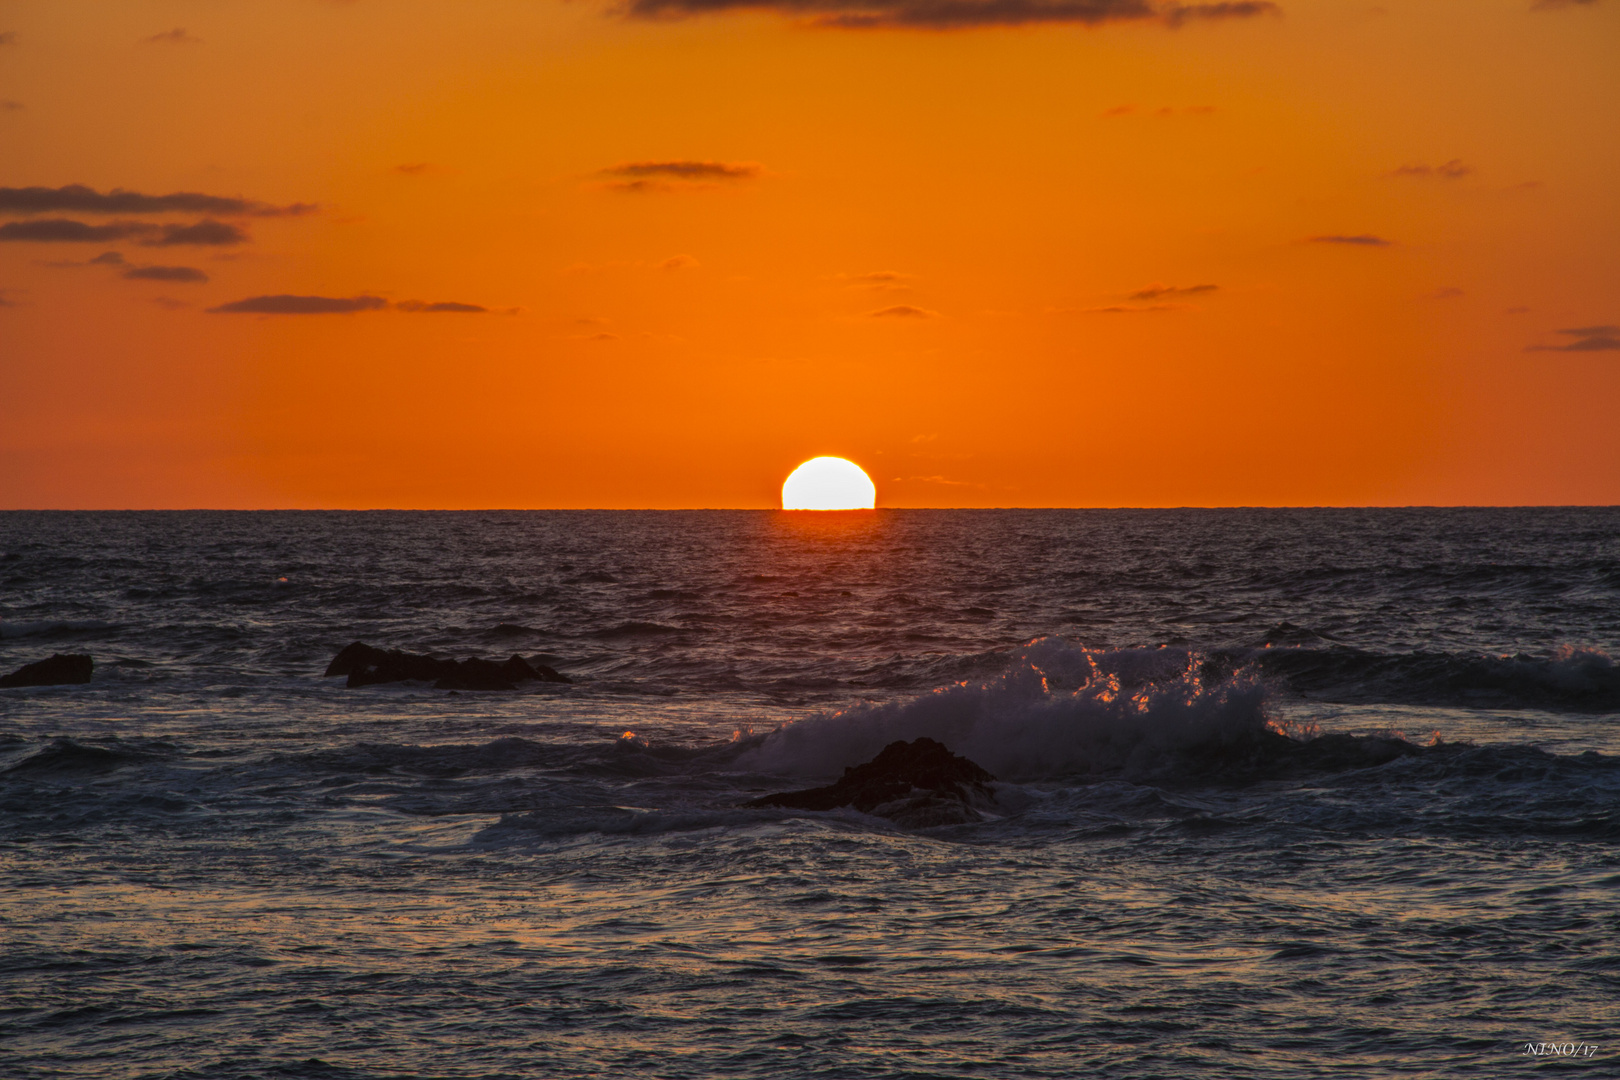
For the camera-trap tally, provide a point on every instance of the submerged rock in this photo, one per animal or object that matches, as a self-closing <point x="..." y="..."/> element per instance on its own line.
<point x="60" y="669"/>
<point x="916" y="783"/>
<point x="366" y="665"/>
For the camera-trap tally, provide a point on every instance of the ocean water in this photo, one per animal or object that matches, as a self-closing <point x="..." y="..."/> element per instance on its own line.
<point x="216" y="863"/>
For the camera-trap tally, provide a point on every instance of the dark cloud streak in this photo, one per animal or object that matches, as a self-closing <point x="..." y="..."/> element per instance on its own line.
<point x="166" y="273"/>
<point x="1159" y="292"/>
<point x="1361" y="240"/>
<point x="79" y="199"/>
<point x="1587" y="339"/>
<point x="684" y="170"/>
<point x="449" y="307"/>
<point x="300" y="305"/>
<point x="959" y="14"/>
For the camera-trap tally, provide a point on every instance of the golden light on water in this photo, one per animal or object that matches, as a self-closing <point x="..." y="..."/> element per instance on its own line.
<point x="829" y="483"/>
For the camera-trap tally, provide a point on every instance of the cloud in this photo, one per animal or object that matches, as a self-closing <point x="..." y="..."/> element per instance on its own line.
<point x="641" y="177"/>
<point x="106" y="258"/>
<point x="1362" y="240"/>
<point x="10" y="106"/>
<point x="177" y="36"/>
<point x="413" y="169"/>
<point x="63" y="231"/>
<point x="165" y="273"/>
<point x="300" y="305"/>
<point x="959" y="14"/>
<point x="1159" y="292"/>
<point x="686" y="170"/>
<point x="1126" y="309"/>
<point x="679" y="262"/>
<point x="8" y="37"/>
<point x="79" y="199"/>
<point x="1587" y="339"/>
<point x="442" y="306"/>
<point x="1449" y="170"/>
<point x="206" y="232"/>
<point x="1446" y="292"/>
<point x="1554" y="5"/>
<point x="902" y="311"/>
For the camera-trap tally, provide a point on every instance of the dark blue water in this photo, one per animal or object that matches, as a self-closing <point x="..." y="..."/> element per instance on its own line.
<point x="1279" y="792"/>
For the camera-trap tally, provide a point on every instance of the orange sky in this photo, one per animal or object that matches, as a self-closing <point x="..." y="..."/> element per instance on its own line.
<point x="1318" y="253"/>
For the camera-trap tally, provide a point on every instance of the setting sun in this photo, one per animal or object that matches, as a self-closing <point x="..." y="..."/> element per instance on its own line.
<point x="828" y="483"/>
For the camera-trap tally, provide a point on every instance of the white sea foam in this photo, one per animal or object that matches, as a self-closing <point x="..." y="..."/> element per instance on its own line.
<point x="1059" y="709"/>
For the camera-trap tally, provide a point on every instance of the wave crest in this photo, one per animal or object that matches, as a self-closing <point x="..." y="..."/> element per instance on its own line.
<point x="1059" y="710"/>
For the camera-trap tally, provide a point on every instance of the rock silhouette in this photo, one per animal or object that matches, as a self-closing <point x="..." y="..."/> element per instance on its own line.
<point x="915" y="783"/>
<point x="366" y="665"/>
<point x="58" y="670"/>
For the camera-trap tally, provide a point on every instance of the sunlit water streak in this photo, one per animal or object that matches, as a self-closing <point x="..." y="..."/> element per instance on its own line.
<point x="218" y="864"/>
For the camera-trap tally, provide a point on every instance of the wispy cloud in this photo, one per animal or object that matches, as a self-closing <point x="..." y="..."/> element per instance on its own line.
<point x="8" y="37"/>
<point x="641" y="177"/>
<point x="79" y="199"/>
<point x="177" y="36"/>
<point x="1554" y="5"/>
<point x="10" y="106"/>
<point x="903" y="311"/>
<point x="679" y="262"/>
<point x="301" y="305"/>
<point x="440" y="307"/>
<point x="166" y="273"/>
<point x="960" y="14"/>
<point x="1448" y="170"/>
<point x="687" y="170"/>
<point x="414" y="169"/>
<point x="1359" y="240"/>
<point x="206" y="233"/>
<point x="284" y="304"/>
<point x="1160" y="292"/>
<point x="1587" y="339"/>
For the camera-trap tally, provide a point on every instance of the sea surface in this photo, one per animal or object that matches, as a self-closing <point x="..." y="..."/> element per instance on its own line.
<point x="217" y="863"/>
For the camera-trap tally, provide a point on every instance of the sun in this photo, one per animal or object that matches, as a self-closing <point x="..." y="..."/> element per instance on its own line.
<point x="828" y="483"/>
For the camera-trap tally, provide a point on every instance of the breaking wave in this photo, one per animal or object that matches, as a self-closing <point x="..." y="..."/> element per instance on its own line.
<point x="1059" y="710"/>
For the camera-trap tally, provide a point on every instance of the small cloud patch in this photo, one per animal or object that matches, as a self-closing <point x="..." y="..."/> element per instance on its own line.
<point x="80" y="199"/>
<point x="1450" y="170"/>
<point x="903" y="311"/>
<point x="188" y="274"/>
<point x="1587" y="339"/>
<point x="448" y="307"/>
<point x="639" y="177"/>
<point x="679" y="262"/>
<point x="960" y="14"/>
<point x="300" y="305"/>
<point x="1359" y="240"/>
<point x="177" y="36"/>
<point x="1160" y="292"/>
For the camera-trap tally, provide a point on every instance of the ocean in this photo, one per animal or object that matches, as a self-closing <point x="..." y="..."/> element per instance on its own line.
<point x="1278" y="793"/>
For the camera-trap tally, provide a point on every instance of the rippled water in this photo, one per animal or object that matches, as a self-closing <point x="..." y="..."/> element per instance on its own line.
<point x="217" y="863"/>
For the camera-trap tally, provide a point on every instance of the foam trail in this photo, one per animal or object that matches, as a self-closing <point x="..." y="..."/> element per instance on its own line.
<point x="1134" y="710"/>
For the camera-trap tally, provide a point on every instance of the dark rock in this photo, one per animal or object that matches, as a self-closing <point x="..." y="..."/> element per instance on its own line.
<point x="58" y="670"/>
<point x="917" y="783"/>
<point x="366" y="665"/>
